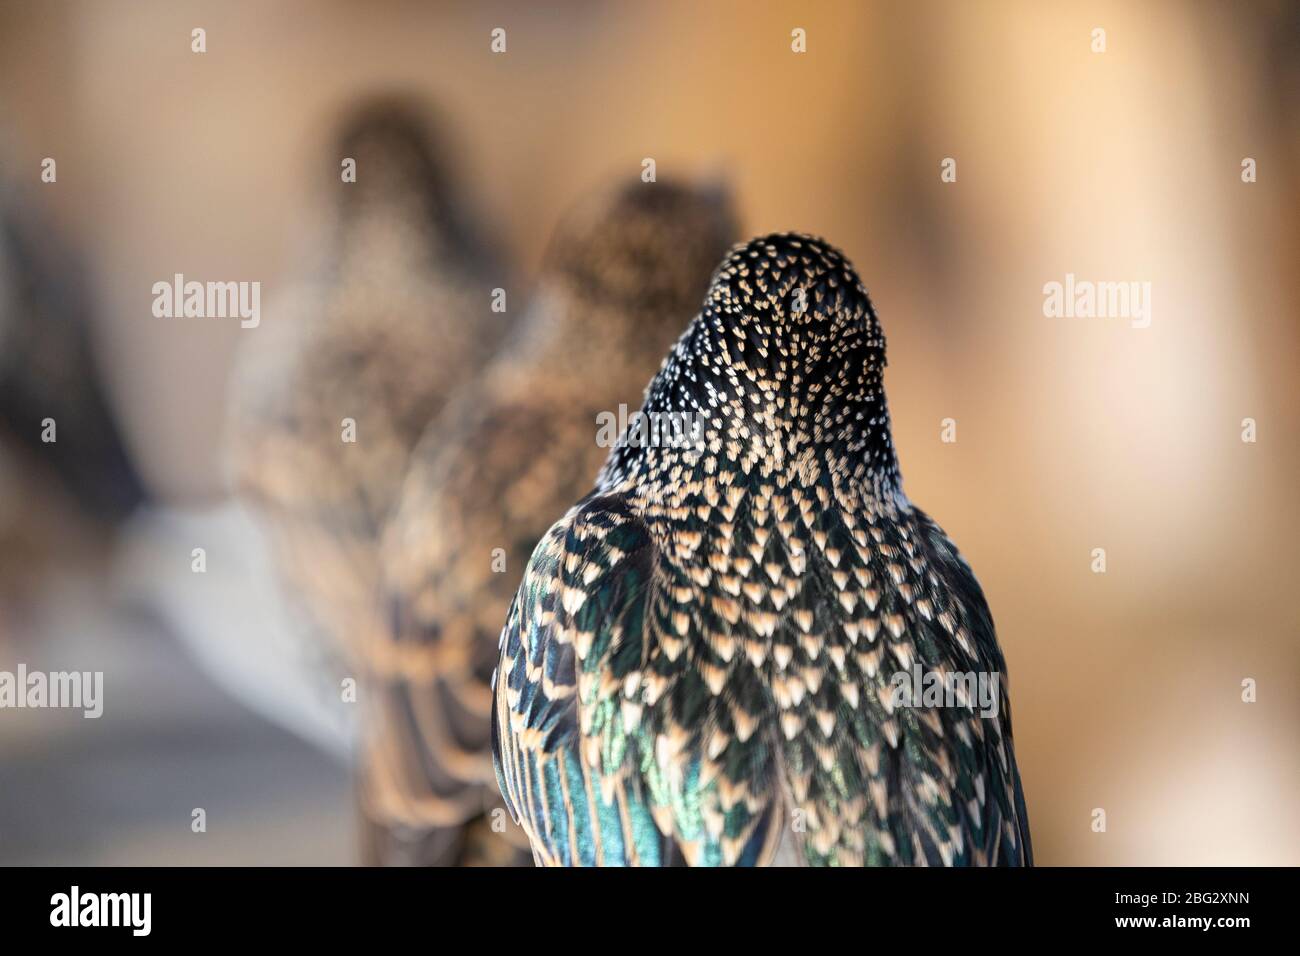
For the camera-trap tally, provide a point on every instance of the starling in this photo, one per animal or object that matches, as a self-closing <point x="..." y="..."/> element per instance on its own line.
<point x="623" y="275"/>
<point x="49" y="371"/>
<point x="700" y="662"/>
<point x="332" y="392"/>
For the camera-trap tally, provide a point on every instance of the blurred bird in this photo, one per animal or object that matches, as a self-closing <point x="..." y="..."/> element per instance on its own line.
<point x="332" y="392"/>
<point x="67" y="479"/>
<point x="623" y="275"/>
<point x="48" y="371"/>
<point x="700" y="661"/>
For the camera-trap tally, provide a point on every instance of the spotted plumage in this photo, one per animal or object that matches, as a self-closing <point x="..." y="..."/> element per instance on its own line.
<point x="698" y="666"/>
<point x="623" y="275"/>
<point x="370" y="347"/>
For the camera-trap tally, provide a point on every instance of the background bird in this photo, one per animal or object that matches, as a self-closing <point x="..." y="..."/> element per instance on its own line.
<point x="623" y="275"/>
<point x="398" y="316"/>
<point x="698" y="663"/>
<point x="48" y="368"/>
<point x="67" y="477"/>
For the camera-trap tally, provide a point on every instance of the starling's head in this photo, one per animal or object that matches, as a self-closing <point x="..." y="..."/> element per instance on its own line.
<point x="786" y="354"/>
<point x="644" y="247"/>
<point x="394" y="148"/>
<point x="401" y="174"/>
<point x="797" y="297"/>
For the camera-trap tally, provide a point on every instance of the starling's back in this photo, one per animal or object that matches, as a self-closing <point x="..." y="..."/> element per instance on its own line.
<point x="702" y="660"/>
<point x="623" y="275"/>
<point x="334" y="388"/>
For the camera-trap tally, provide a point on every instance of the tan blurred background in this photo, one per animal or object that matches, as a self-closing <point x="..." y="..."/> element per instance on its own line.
<point x="1073" y="434"/>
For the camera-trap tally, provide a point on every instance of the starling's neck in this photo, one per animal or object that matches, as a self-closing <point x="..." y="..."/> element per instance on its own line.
<point x="775" y="414"/>
<point x="591" y="341"/>
<point x="389" y="235"/>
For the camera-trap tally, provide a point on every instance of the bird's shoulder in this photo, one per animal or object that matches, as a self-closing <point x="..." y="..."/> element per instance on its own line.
<point x="928" y="734"/>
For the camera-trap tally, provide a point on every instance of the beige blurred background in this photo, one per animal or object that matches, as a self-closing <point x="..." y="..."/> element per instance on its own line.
<point x="1073" y="434"/>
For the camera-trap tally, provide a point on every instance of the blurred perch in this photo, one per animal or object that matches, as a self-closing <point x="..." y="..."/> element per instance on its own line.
<point x="233" y="618"/>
